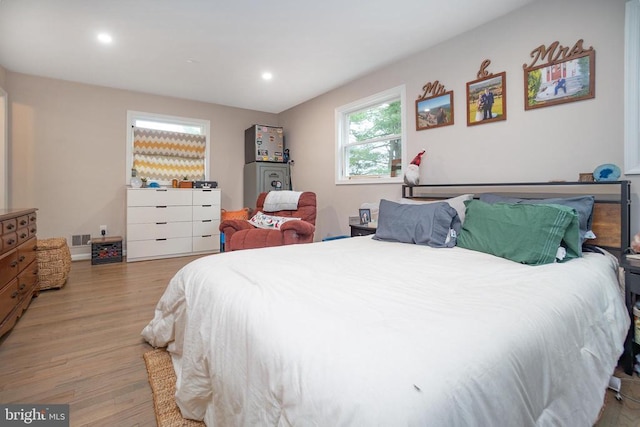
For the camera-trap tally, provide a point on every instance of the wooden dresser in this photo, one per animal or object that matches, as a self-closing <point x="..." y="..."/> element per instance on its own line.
<point x="18" y="264"/>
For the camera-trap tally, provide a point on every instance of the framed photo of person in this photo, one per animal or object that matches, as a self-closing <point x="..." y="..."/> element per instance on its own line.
<point x="365" y="216"/>
<point x="434" y="111"/>
<point x="487" y="99"/>
<point x="567" y="76"/>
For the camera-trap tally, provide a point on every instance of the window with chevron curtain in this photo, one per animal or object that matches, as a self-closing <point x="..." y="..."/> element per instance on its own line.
<point x="164" y="155"/>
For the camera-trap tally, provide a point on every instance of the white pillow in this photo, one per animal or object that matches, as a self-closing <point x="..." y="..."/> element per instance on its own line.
<point x="456" y="203"/>
<point x="273" y="222"/>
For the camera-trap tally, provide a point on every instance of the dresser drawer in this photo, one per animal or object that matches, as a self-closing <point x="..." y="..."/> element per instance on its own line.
<point x="162" y="230"/>
<point x="23" y="221"/>
<point x="26" y="253"/>
<point x="23" y="234"/>
<point x="159" y="197"/>
<point x="204" y="228"/>
<point x="206" y="243"/>
<point x="151" y="214"/>
<point x="8" y="226"/>
<point x="206" y="212"/>
<point x="206" y="197"/>
<point x="9" y="241"/>
<point x="25" y="303"/>
<point x="28" y="279"/>
<point x="8" y="298"/>
<point x="8" y="267"/>
<point x="33" y="229"/>
<point x="158" y="248"/>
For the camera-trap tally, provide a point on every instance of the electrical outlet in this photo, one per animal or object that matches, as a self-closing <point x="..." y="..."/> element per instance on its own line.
<point x="103" y="230"/>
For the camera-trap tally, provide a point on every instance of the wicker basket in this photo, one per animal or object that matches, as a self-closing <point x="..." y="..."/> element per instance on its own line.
<point x="54" y="262"/>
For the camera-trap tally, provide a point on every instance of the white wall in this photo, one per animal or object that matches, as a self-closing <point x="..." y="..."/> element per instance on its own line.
<point x="68" y="151"/>
<point x="552" y="143"/>
<point x="67" y="155"/>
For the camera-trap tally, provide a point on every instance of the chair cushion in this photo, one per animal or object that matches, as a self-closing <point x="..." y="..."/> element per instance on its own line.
<point x="306" y="207"/>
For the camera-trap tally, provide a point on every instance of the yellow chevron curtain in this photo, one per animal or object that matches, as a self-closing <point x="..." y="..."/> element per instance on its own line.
<point x="163" y="155"/>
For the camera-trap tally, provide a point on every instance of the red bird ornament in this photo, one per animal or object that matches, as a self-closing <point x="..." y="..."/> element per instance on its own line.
<point x="412" y="175"/>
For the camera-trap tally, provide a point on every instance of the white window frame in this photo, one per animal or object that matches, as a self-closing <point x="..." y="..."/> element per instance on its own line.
<point x="632" y="88"/>
<point x="134" y="116"/>
<point x="342" y="135"/>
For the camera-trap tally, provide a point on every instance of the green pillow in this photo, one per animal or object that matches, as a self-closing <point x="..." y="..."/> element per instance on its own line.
<point x="528" y="234"/>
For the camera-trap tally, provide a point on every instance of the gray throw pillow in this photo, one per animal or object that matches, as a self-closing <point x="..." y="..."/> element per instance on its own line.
<point x="428" y="224"/>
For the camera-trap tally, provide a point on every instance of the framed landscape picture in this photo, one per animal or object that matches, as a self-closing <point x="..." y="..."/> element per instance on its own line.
<point x="434" y="111"/>
<point x="487" y="99"/>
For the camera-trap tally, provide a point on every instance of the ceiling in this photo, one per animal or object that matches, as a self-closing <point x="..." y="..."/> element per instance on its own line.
<point x="216" y="51"/>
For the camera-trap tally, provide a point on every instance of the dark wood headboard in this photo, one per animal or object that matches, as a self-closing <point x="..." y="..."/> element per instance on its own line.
<point x="611" y="213"/>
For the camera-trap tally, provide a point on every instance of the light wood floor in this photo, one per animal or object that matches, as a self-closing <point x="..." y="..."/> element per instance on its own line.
<point x="81" y="345"/>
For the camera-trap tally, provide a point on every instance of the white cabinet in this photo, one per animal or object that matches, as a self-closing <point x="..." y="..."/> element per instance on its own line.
<point x="206" y="220"/>
<point x="169" y="222"/>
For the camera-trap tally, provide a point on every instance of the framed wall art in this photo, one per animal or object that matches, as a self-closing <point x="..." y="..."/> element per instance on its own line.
<point x="435" y="110"/>
<point x="568" y="75"/>
<point x="365" y="216"/>
<point x="487" y="97"/>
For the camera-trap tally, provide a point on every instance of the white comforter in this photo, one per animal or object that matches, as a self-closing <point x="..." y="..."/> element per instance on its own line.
<point x="360" y="332"/>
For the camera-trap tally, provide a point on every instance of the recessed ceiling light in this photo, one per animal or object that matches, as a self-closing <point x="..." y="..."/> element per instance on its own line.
<point x="104" y="38"/>
<point x="267" y="75"/>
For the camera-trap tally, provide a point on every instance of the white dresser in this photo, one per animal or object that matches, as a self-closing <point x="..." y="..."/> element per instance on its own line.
<point x="170" y="222"/>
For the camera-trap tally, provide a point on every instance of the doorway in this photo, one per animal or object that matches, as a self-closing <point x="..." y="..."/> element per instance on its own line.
<point x="4" y="149"/>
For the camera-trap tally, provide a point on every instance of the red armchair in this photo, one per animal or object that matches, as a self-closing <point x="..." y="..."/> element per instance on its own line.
<point x="240" y="234"/>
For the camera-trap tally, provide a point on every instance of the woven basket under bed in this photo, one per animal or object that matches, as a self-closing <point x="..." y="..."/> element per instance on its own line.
<point x="54" y="262"/>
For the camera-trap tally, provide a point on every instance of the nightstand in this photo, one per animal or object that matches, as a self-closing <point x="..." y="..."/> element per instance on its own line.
<point x="631" y="295"/>
<point x="361" y="230"/>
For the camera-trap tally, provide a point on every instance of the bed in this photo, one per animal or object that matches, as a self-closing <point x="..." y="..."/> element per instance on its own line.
<point x="364" y="332"/>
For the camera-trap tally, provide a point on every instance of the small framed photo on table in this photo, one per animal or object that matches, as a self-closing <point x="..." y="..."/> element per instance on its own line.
<point x="365" y="216"/>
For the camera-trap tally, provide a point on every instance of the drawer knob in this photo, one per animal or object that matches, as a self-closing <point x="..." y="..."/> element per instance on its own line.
<point x="23" y="222"/>
<point x="14" y="264"/>
<point x="23" y="235"/>
<point x="11" y="226"/>
<point x="11" y="241"/>
<point x="22" y="286"/>
<point x="21" y="258"/>
<point x="14" y="294"/>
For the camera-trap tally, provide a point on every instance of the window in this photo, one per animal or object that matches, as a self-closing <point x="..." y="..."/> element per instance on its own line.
<point x="162" y="148"/>
<point x="370" y="142"/>
<point x="632" y="88"/>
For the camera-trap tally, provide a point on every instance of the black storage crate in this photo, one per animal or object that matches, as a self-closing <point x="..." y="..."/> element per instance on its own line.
<point x="105" y="250"/>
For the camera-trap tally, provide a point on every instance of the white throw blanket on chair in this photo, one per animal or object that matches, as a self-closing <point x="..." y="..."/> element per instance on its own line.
<point x="283" y="200"/>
